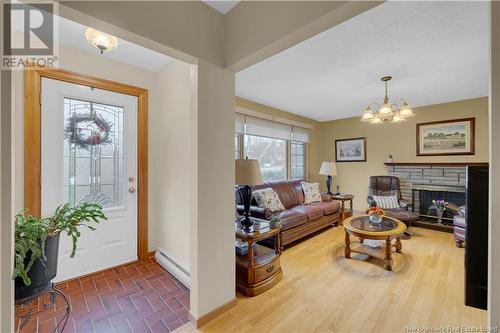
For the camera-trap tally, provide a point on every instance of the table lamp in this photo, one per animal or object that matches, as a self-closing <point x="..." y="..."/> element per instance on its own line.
<point x="247" y="173"/>
<point x="328" y="169"/>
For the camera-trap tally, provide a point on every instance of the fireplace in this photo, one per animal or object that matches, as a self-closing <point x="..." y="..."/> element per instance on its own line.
<point x="454" y="195"/>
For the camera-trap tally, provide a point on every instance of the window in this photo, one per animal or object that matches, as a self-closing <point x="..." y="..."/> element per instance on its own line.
<point x="271" y="154"/>
<point x="297" y="159"/>
<point x="93" y="172"/>
<point x="280" y="148"/>
<point x="237" y="150"/>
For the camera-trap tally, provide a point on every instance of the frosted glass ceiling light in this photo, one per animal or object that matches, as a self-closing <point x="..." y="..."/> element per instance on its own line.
<point x="101" y="40"/>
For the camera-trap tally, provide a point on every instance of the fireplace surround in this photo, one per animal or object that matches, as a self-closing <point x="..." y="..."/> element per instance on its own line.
<point x="454" y="195"/>
<point x="438" y="181"/>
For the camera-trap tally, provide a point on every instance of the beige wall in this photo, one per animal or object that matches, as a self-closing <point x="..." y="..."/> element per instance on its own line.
<point x="190" y="27"/>
<point x="171" y="131"/>
<point x="212" y="230"/>
<point x="494" y="214"/>
<point x="169" y="103"/>
<point x="6" y="228"/>
<point x="398" y="140"/>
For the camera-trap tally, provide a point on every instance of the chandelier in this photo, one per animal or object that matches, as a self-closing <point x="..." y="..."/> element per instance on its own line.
<point x="387" y="112"/>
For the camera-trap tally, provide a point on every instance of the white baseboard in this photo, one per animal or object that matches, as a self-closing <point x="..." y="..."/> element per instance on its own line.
<point x="173" y="268"/>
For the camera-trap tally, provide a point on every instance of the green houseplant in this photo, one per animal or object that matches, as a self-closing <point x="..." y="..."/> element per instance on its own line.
<point x="37" y="243"/>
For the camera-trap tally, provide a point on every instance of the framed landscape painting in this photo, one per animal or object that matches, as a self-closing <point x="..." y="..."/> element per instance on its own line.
<point x="448" y="137"/>
<point x="350" y="150"/>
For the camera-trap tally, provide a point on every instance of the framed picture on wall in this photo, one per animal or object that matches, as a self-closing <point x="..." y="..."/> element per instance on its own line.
<point x="447" y="137"/>
<point x="350" y="150"/>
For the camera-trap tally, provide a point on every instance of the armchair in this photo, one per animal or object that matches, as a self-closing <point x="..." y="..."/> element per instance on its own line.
<point x="389" y="186"/>
<point x="460" y="226"/>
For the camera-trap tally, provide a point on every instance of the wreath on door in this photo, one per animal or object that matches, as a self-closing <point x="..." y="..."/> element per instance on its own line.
<point x="86" y="130"/>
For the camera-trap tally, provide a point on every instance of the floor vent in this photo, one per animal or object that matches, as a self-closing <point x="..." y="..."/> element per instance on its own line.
<point x="173" y="268"/>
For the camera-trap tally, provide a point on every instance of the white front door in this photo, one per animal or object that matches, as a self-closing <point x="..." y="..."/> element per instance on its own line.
<point x="89" y="154"/>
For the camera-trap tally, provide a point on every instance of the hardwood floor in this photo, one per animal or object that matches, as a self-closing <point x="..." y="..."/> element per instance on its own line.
<point x="321" y="291"/>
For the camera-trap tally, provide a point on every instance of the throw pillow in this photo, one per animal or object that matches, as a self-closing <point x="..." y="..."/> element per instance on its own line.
<point x="311" y="192"/>
<point x="386" y="202"/>
<point x="268" y="198"/>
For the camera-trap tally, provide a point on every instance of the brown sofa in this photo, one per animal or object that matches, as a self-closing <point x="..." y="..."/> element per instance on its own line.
<point x="298" y="219"/>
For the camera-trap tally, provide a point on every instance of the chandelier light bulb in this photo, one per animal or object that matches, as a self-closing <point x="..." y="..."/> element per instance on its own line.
<point x="368" y="114"/>
<point x="406" y="111"/>
<point x="376" y="120"/>
<point x="385" y="109"/>
<point x="397" y="117"/>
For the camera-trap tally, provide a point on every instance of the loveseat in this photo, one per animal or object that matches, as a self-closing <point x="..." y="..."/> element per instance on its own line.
<point x="298" y="219"/>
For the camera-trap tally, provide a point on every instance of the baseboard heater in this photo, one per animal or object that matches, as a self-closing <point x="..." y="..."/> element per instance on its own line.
<point x="173" y="268"/>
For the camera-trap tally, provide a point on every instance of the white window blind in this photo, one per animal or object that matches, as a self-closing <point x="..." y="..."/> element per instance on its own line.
<point x="271" y="129"/>
<point x="300" y="134"/>
<point x="239" y="125"/>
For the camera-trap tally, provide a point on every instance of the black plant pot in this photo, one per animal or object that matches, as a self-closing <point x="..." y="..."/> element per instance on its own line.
<point x="41" y="275"/>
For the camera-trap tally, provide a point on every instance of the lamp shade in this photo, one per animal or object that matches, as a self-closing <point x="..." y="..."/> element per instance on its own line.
<point x="247" y="172"/>
<point x="328" y="169"/>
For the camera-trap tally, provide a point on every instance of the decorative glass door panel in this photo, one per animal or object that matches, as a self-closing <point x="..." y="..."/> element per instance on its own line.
<point x="93" y="154"/>
<point x="89" y="154"/>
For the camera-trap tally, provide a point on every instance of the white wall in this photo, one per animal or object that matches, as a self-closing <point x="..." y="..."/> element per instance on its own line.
<point x="171" y="136"/>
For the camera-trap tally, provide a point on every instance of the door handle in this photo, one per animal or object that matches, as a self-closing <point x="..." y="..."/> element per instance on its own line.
<point x="131" y="190"/>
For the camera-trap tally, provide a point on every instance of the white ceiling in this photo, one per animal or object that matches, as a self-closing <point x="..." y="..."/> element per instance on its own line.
<point x="436" y="52"/>
<point x="222" y="6"/>
<point x="73" y="34"/>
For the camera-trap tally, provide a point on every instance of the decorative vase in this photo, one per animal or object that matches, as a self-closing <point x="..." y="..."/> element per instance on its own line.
<point x="439" y="213"/>
<point x="41" y="273"/>
<point x="375" y="218"/>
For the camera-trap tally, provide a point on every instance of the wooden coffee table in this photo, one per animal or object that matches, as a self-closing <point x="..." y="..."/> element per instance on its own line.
<point x="389" y="229"/>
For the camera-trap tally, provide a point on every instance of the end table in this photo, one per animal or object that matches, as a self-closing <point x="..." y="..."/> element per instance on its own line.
<point x="260" y="269"/>
<point x="344" y="212"/>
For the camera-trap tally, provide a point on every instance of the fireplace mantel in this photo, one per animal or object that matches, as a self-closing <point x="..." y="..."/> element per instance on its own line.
<point x="449" y="164"/>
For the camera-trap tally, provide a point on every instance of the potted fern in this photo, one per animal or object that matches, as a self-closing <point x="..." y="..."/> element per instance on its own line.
<point x="37" y="244"/>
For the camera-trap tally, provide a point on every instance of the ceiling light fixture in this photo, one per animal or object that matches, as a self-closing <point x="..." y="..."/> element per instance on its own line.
<point x="101" y="40"/>
<point x="387" y="112"/>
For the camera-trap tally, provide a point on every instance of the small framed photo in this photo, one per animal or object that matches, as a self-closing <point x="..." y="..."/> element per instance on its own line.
<point x="448" y="137"/>
<point x="350" y="150"/>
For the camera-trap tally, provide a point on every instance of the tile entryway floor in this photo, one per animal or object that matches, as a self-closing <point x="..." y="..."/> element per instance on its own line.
<point x="140" y="297"/>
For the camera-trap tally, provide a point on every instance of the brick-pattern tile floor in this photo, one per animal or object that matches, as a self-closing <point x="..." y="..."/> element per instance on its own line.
<point x="140" y="297"/>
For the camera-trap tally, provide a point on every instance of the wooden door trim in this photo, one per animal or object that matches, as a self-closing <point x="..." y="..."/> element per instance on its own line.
<point x="32" y="140"/>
